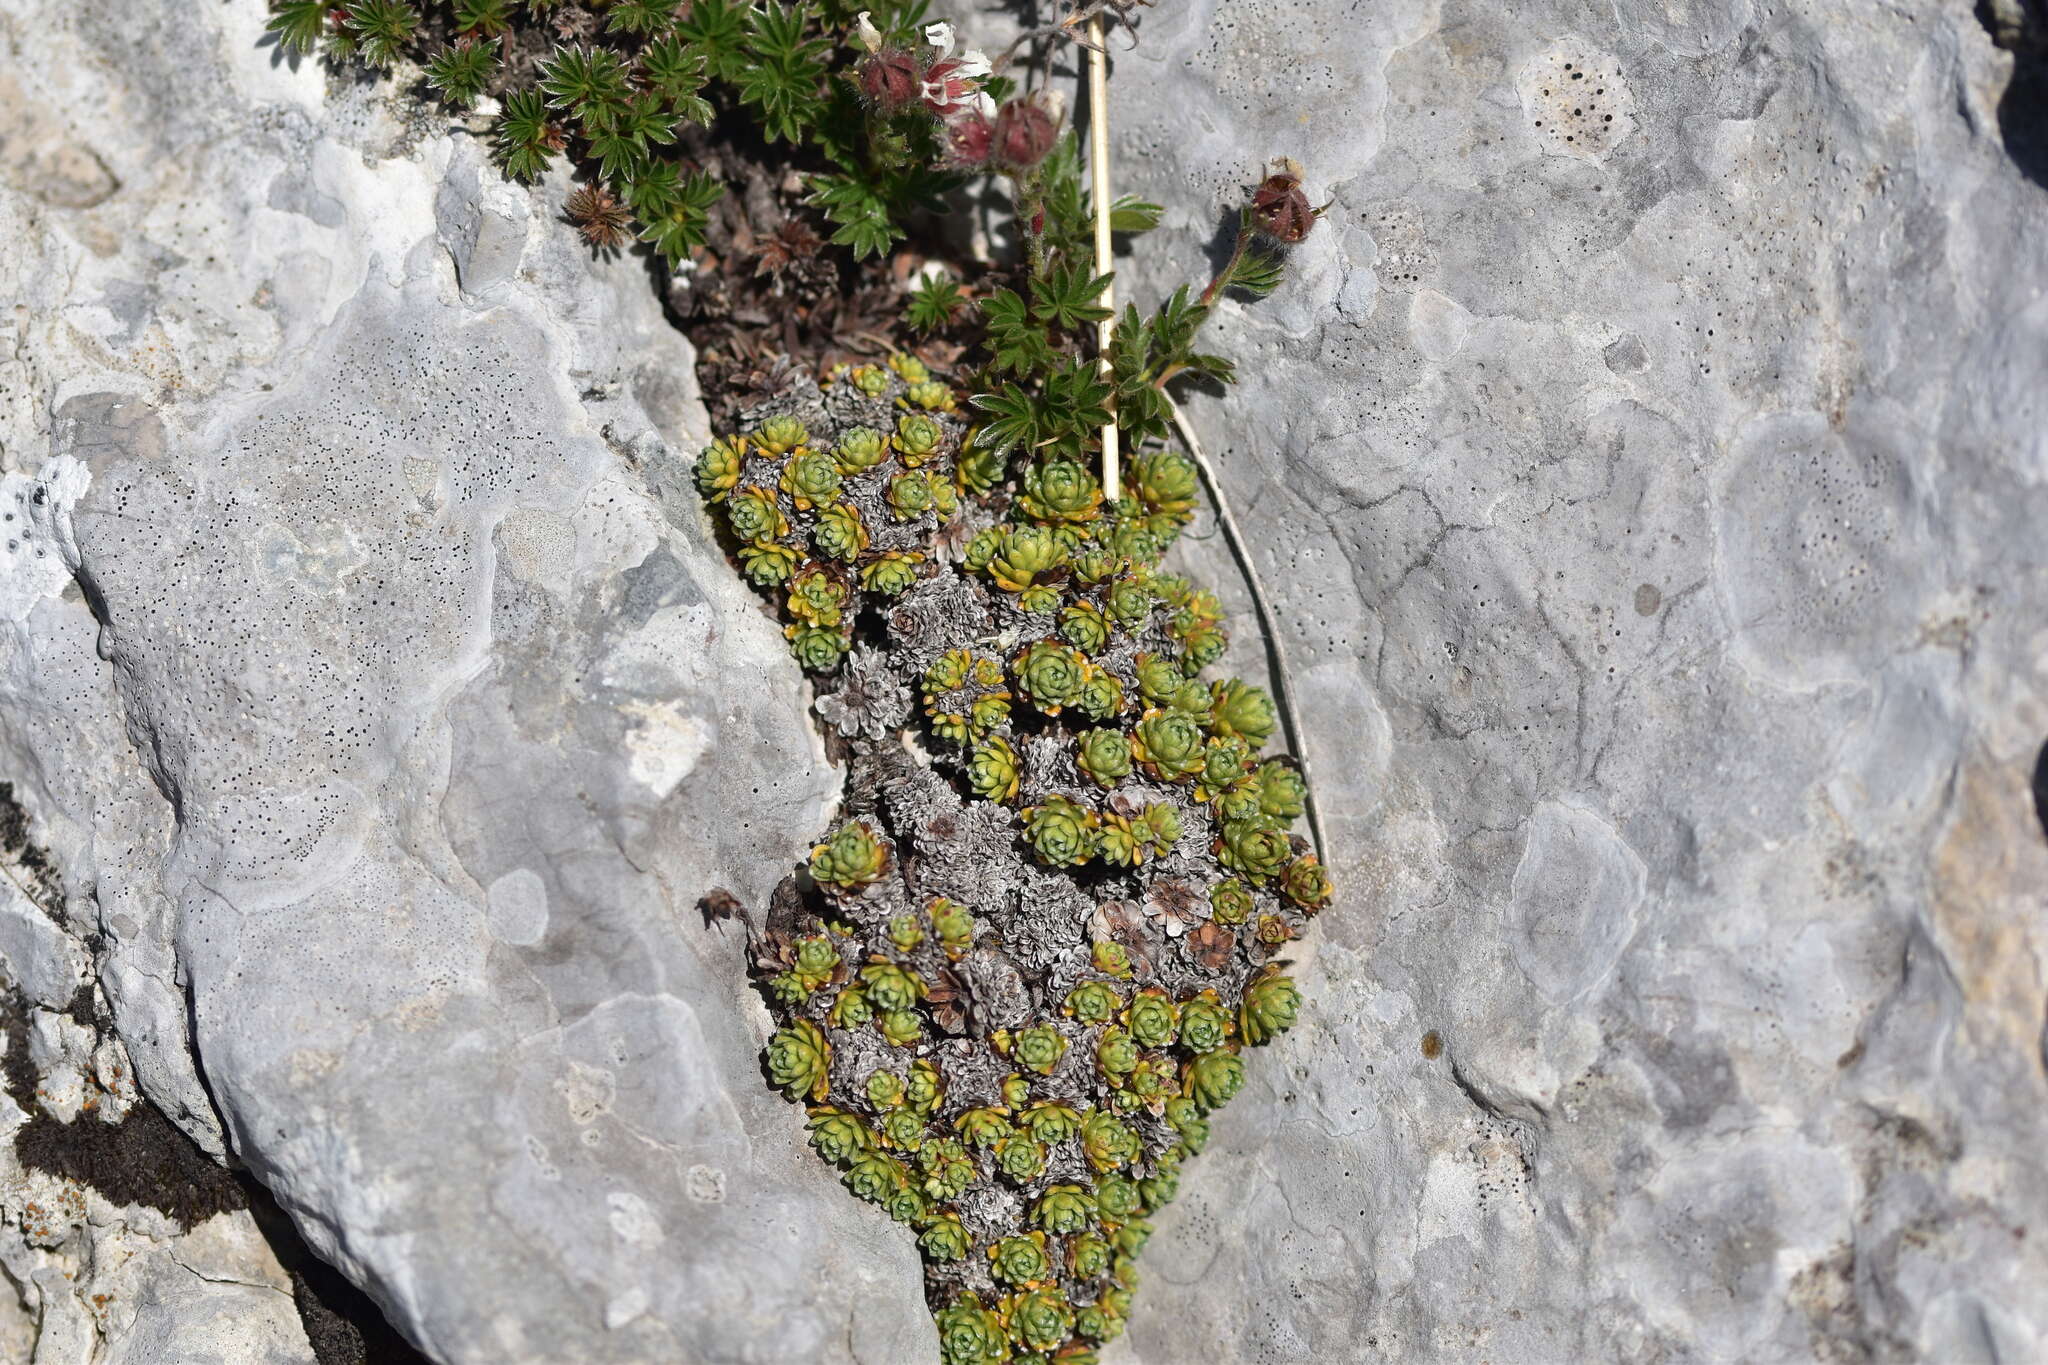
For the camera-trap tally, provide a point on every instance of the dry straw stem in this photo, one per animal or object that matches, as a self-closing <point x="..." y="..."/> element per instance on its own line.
<point x="1098" y="168"/>
<point x="1276" y="662"/>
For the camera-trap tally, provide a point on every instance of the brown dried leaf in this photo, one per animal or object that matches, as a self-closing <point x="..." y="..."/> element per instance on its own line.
<point x="1211" y="946"/>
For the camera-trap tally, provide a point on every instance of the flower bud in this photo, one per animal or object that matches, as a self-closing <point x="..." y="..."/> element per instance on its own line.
<point x="888" y="80"/>
<point x="1279" y="208"/>
<point x="1024" y="134"/>
<point x="970" y="140"/>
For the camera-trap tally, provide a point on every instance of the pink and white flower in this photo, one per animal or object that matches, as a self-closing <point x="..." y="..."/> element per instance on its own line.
<point x="952" y="85"/>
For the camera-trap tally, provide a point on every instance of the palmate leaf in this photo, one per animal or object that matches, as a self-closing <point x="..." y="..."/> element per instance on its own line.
<point x="782" y="81"/>
<point x="718" y="30"/>
<point x="1017" y="343"/>
<point x="1069" y="208"/>
<point x="784" y="108"/>
<point x="1143" y="414"/>
<point x="587" y="81"/>
<point x="647" y="120"/>
<point x="1013" y="419"/>
<point x="862" y="215"/>
<point x="676" y="71"/>
<point x="1131" y="349"/>
<point x="657" y="189"/>
<point x="1258" y="273"/>
<point x="380" y="28"/>
<point x="868" y="236"/>
<point x="844" y="132"/>
<point x="1069" y="228"/>
<point x="522" y="135"/>
<point x="1062" y="417"/>
<point x="863" y="220"/>
<point x="934" y="302"/>
<point x="1074" y="405"/>
<point x="1134" y="215"/>
<point x="461" y="70"/>
<point x="487" y="18"/>
<point x="620" y="155"/>
<point x="298" y="24"/>
<point x="869" y="206"/>
<point x="1180" y="317"/>
<point x="640" y="16"/>
<point x="678" y="226"/>
<point x="1064" y="297"/>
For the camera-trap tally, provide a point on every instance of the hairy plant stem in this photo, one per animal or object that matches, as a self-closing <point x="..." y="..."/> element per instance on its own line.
<point x="1030" y="196"/>
<point x="1223" y="276"/>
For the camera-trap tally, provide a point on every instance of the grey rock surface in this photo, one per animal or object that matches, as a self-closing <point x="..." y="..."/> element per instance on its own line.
<point x="93" y="1281"/>
<point x="1653" y="506"/>
<point x="373" y="678"/>
<point x="1649" y="482"/>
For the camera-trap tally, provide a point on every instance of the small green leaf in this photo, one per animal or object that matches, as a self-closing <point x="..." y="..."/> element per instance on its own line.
<point x="1131" y="214"/>
<point x="487" y="18"/>
<point x="678" y="227"/>
<point x="717" y="29"/>
<point x="640" y="16"/>
<point x="298" y="24"/>
<point x="1065" y="296"/>
<point x="522" y="135"/>
<point x="380" y="28"/>
<point x="590" y="82"/>
<point x="934" y="302"/>
<point x="1258" y="273"/>
<point x="461" y="71"/>
<point x="782" y="80"/>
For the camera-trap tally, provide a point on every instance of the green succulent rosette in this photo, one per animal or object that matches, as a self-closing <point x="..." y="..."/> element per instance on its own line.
<point x="1271" y="1002"/>
<point x="1169" y="745"/>
<point x="799" y="1059"/>
<point x="1060" y="832"/>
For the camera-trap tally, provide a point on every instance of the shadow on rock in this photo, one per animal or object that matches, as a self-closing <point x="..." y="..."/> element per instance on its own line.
<point x="2021" y="28"/>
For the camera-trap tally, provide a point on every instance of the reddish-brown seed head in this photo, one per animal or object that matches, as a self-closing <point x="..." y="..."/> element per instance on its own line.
<point x="1280" y="210"/>
<point x="1024" y="134"/>
<point x="888" y="80"/>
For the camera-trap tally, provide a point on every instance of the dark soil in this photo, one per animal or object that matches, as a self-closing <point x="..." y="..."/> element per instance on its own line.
<point x="29" y="867"/>
<point x="144" y="1159"/>
<point x="343" y="1324"/>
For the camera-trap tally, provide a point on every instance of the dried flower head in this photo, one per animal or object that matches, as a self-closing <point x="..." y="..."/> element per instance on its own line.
<point x="889" y="80"/>
<point x="1279" y="208"/>
<point x="1211" y="946"/>
<point x="970" y="140"/>
<point x="597" y="213"/>
<point x="1025" y="131"/>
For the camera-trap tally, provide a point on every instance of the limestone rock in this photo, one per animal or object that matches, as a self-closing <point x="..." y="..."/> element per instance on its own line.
<point x="387" y="705"/>
<point x="1646" y="466"/>
<point x="1651" y="508"/>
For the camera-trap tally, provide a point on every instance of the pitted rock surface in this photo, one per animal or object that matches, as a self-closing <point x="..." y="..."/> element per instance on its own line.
<point x="1649" y="516"/>
<point x="1653" y="520"/>
<point x="380" y="691"/>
